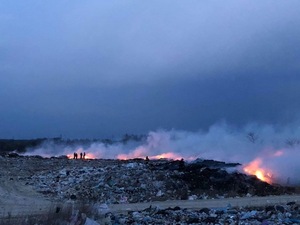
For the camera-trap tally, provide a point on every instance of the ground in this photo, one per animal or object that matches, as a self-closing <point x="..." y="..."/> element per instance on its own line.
<point x="18" y="197"/>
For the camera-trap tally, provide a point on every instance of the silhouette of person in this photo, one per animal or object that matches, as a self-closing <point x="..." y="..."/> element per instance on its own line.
<point x="84" y="155"/>
<point x="80" y="155"/>
<point x="181" y="164"/>
<point x="75" y="155"/>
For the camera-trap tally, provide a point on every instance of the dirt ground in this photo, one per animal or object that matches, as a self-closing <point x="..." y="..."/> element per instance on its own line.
<point x="16" y="198"/>
<point x="210" y="203"/>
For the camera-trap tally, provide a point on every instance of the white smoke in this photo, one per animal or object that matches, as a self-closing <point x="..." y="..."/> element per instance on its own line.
<point x="278" y="148"/>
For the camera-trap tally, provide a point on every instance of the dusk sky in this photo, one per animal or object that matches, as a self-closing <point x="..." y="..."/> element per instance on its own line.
<point x="97" y="69"/>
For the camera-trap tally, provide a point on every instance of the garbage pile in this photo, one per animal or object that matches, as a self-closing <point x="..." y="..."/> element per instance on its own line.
<point x="275" y="214"/>
<point x="116" y="183"/>
<point x="268" y="215"/>
<point x="138" y="180"/>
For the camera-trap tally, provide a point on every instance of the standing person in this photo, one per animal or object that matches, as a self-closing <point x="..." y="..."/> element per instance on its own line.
<point x="80" y="155"/>
<point x="84" y="155"/>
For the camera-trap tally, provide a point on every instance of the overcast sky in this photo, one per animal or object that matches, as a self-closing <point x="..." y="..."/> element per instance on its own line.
<point x="89" y="69"/>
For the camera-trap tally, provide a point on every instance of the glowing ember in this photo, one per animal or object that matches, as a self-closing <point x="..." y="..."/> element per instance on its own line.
<point x="254" y="168"/>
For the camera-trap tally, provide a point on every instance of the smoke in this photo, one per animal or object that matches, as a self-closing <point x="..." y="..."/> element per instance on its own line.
<point x="277" y="148"/>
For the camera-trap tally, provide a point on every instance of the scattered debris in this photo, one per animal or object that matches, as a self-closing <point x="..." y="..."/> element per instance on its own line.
<point x="177" y="215"/>
<point x="103" y="182"/>
<point x="130" y="181"/>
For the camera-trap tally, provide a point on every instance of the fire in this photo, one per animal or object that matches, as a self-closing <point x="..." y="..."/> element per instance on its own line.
<point x="255" y="168"/>
<point x="261" y="172"/>
<point x="168" y="155"/>
<point x="137" y="153"/>
<point x="87" y="156"/>
<point x="90" y="156"/>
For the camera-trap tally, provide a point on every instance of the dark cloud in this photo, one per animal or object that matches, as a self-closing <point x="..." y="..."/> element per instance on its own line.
<point x="95" y="69"/>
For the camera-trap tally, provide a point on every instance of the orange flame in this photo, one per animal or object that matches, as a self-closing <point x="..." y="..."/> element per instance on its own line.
<point x="254" y="168"/>
<point x="168" y="155"/>
<point x="90" y="156"/>
<point x="139" y="154"/>
<point x="87" y="156"/>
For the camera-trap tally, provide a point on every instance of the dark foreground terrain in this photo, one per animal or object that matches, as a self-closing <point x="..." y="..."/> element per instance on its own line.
<point x="35" y="185"/>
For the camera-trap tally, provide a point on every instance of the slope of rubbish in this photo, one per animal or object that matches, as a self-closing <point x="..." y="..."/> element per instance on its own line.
<point x="136" y="180"/>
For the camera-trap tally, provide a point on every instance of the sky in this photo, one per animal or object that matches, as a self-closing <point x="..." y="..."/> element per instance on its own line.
<point x="100" y="69"/>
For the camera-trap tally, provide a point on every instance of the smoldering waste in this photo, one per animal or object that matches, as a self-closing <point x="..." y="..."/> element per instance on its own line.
<point x="137" y="180"/>
<point x="103" y="182"/>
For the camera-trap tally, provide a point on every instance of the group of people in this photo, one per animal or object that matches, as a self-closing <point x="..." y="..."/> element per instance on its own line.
<point x="82" y="155"/>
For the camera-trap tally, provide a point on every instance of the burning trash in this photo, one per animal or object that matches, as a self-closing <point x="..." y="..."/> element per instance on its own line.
<point x="256" y="168"/>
